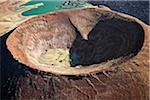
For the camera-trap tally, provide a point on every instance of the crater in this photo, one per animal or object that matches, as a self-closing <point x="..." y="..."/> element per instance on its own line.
<point x="61" y="42"/>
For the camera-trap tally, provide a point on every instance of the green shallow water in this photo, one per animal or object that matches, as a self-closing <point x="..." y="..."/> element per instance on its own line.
<point x="51" y="6"/>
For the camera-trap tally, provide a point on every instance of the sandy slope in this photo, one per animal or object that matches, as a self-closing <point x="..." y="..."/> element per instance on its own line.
<point x="10" y="14"/>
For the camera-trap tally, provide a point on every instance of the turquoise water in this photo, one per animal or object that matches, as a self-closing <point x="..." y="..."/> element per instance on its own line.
<point x="52" y="6"/>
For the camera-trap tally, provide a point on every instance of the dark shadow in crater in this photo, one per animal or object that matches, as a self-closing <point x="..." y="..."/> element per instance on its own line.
<point x="109" y="39"/>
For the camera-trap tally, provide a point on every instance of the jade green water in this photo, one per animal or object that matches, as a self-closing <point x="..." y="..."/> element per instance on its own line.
<point x="52" y="6"/>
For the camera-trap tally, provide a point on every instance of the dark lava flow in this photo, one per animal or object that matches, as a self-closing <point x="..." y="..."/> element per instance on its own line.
<point x="109" y="39"/>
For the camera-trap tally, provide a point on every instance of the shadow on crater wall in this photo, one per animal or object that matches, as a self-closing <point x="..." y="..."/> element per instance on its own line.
<point x="109" y="39"/>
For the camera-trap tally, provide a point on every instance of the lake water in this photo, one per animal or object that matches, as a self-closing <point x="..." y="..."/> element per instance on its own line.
<point x="52" y="6"/>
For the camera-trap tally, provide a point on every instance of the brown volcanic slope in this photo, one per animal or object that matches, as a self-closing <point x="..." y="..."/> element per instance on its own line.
<point x="83" y="42"/>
